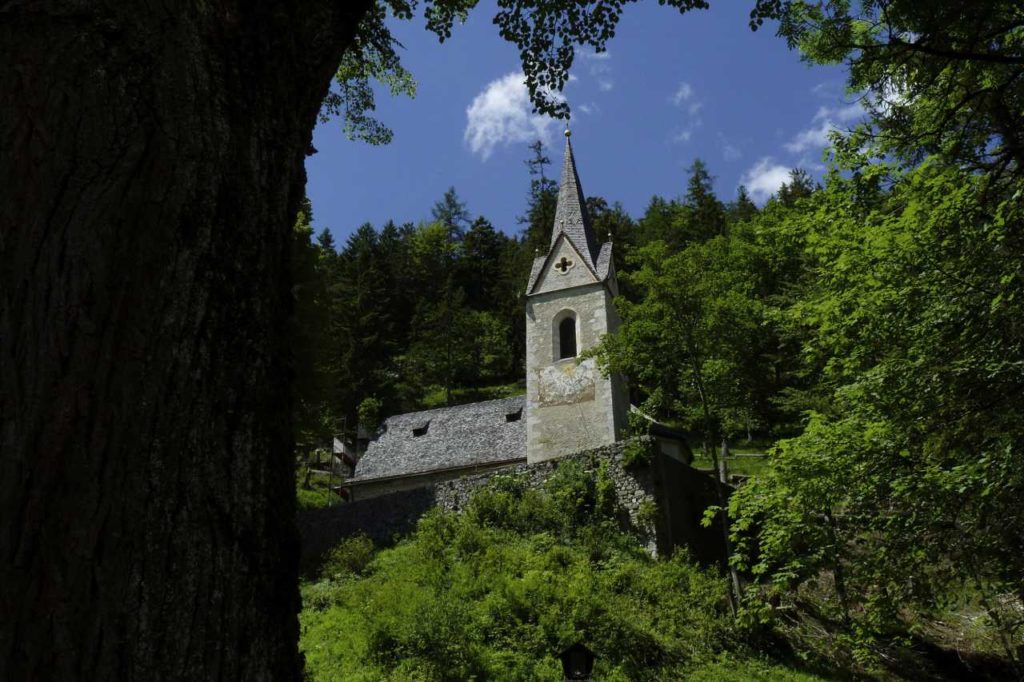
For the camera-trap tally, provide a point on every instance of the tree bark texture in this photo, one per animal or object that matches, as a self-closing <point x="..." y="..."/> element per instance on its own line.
<point x="151" y="165"/>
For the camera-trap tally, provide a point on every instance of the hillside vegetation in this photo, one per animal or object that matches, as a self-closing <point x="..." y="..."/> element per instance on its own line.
<point x="869" y="325"/>
<point x="495" y="593"/>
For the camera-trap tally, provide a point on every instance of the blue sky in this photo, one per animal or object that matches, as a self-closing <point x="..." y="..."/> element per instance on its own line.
<point x="669" y="89"/>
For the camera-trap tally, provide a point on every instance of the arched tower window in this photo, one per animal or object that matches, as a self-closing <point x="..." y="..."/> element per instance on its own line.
<point x="567" y="338"/>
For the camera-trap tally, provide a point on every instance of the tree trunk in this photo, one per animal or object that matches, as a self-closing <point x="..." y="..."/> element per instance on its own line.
<point x="152" y="167"/>
<point x="735" y="594"/>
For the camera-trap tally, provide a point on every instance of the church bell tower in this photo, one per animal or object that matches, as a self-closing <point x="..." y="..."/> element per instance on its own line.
<point x="569" y="405"/>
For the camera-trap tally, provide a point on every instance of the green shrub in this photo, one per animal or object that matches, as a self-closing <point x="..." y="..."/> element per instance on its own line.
<point x="499" y="591"/>
<point x="647" y="514"/>
<point x="637" y="452"/>
<point x="351" y="556"/>
<point x="606" y="499"/>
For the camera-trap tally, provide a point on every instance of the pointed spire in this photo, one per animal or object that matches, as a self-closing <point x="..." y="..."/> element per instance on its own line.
<point x="571" y="212"/>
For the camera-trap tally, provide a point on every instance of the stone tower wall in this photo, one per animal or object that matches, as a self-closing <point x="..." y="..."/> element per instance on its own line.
<point x="578" y="275"/>
<point x="569" y="406"/>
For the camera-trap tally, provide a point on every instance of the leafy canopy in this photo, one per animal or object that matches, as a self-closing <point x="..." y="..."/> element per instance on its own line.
<point x="546" y="34"/>
<point x="936" y="77"/>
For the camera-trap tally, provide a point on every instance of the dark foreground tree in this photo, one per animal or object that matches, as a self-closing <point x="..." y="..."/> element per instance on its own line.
<point x="151" y="172"/>
<point x="152" y="169"/>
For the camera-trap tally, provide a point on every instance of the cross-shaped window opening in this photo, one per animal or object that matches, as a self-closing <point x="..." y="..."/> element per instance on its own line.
<point x="563" y="265"/>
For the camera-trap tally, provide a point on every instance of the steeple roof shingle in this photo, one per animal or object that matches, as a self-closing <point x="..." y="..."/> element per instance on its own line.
<point x="571" y="218"/>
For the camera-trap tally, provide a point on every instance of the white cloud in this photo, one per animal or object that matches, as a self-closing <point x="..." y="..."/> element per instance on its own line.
<point x="845" y="114"/>
<point x="502" y="115"/>
<point x="588" y="55"/>
<point x="824" y="122"/>
<point x="764" y="178"/>
<point x="730" y="152"/>
<point x="810" y="164"/>
<point x="682" y="94"/>
<point x="810" y="138"/>
<point x="599" y="66"/>
<point x="589" y="108"/>
<point x="828" y="89"/>
<point x="890" y="97"/>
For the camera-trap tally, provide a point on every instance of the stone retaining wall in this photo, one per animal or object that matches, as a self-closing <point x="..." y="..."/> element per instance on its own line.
<point x="660" y="501"/>
<point x="633" y="486"/>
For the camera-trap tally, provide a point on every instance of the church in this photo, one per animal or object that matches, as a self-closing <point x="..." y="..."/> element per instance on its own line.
<point x="569" y="406"/>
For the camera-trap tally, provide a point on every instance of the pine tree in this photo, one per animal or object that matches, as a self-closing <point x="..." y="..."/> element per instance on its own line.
<point x="657" y="222"/>
<point x="398" y="267"/>
<point x="451" y="212"/>
<point x="361" y="328"/>
<point x="312" y="407"/>
<point x="704" y="213"/>
<point x="325" y="240"/>
<point x="742" y="210"/>
<point x="800" y="186"/>
<point x="541" y="203"/>
<point x="613" y="223"/>
<point x="477" y="272"/>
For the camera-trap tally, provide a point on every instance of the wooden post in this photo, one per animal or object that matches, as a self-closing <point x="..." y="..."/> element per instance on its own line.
<point x="723" y="468"/>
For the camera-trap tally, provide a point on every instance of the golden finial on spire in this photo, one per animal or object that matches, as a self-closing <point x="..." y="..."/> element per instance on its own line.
<point x="568" y="133"/>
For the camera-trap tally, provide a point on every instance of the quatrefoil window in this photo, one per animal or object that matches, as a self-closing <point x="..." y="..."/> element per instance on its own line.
<point x="564" y="265"/>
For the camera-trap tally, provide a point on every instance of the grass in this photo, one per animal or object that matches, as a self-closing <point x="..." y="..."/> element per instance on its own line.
<point x="744" y="466"/>
<point x="435" y="397"/>
<point x="317" y="495"/>
<point x="740" y="462"/>
<point x="729" y="669"/>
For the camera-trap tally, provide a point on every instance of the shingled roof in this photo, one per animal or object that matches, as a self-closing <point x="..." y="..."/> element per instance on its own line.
<point x="571" y="217"/>
<point x="445" y="438"/>
<point x="573" y="221"/>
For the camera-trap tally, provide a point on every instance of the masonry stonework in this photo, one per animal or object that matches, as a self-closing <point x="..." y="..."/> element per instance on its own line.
<point x="660" y="501"/>
<point x="570" y="406"/>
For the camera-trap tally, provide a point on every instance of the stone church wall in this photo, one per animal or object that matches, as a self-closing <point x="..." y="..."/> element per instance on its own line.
<point x="570" y="406"/>
<point x="661" y="502"/>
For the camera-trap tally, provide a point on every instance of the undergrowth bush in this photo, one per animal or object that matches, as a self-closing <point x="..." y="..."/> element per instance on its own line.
<point x="637" y="452"/>
<point x="498" y="591"/>
<point x="351" y="556"/>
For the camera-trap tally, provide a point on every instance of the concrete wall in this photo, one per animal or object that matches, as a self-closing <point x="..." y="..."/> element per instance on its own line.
<point x="569" y="406"/>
